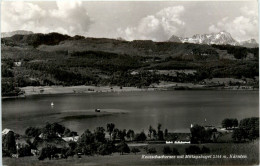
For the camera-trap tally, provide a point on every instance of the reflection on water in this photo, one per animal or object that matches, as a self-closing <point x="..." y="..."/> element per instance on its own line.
<point x="175" y="110"/>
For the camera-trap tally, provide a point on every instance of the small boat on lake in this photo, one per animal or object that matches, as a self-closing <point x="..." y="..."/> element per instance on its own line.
<point x="97" y="110"/>
<point x="52" y="104"/>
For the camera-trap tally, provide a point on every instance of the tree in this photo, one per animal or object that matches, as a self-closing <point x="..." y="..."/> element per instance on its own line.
<point x="110" y="128"/>
<point x="32" y="132"/>
<point x="239" y="134"/>
<point x="229" y="123"/>
<point x="106" y="149"/>
<point x="57" y="128"/>
<point x="159" y="127"/>
<point x="160" y="135"/>
<point x="86" y="138"/>
<point x="150" y="131"/>
<point x="166" y="133"/>
<point x="130" y="134"/>
<point x="234" y="122"/>
<point x="49" y="131"/>
<point x="154" y="134"/>
<point x="5" y="153"/>
<point x="122" y="134"/>
<point x="122" y="147"/>
<point x="99" y="134"/>
<point x="135" y="150"/>
<point x="48" y="152"/>
<point x="9" y="142"/>
<point x="251" y="126"/>
<point x="140" y="137"/>
<point x="64" y="152"/>
<point x="198" y="134"/>
<point x="115" y="133"/>
<point x="66" y="132"/>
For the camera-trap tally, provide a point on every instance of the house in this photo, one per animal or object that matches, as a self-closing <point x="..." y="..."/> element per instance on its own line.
<point x="6" y="131"/>
<point x="97" y="110"/>
<point x="68" y="139"/>
<point x="44" y="136"/>
<point x="17" y="64"/>
<point x="134" y="73"/>
<point x="169" y="142"/>
<point x="35" y="152"/>
<point x="178" y="138"/>
<point x="15" y="156"/>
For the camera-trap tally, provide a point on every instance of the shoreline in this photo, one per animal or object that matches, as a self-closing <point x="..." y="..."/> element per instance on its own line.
<point x="84" y="89"/>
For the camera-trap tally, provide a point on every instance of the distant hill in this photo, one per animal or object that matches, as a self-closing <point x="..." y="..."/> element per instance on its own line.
<point x="19" y="32"/>
<point x="174" y="38"/>
<point x="55" y="42"/>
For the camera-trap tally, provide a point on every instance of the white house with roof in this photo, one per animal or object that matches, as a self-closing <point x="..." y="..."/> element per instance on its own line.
<point x="6" y="131"/>
<point x="68" y="139"/>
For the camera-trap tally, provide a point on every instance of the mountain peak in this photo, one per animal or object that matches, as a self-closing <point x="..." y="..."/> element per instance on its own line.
<point x="221" y="37"/>
<point x="174" y="38"/>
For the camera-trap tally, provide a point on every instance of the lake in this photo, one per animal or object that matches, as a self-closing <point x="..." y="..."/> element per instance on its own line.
<point x="175" y="110"/>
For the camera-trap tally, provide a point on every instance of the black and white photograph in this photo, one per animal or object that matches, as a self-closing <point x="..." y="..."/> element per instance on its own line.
<point x="91" y="83"/>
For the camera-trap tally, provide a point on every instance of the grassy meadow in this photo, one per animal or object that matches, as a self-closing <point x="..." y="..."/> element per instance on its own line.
<point x="251" y="150"/>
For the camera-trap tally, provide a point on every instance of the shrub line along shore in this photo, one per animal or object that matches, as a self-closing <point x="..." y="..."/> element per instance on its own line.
<point x="82" y="89"/>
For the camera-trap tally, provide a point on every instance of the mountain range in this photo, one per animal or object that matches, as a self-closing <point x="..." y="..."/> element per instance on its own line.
<point x="221" y="38"/>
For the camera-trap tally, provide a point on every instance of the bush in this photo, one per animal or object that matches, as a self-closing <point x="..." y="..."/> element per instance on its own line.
<point x="24" y="151"/>
<point x="151" y="151"/>
<point x="105" y="149"/>
<point x="167" y="150"/>
<point x="5" y="153"/>
<point x="205" y="150"/>
<point x="48" y="152"/>
<point x="123" y="148"/>
<point x="193" y="150"/>
<point x="135" y="150"/>
<point x="175" y="151"/>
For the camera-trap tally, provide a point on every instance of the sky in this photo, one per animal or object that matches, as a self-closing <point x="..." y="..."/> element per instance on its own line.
<point x="132" y="20"/>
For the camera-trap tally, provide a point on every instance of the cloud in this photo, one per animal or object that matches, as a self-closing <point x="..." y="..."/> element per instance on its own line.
<point x="157" y="27"/>
<point x="242" y="27"/>
<point x="68" y="17"/>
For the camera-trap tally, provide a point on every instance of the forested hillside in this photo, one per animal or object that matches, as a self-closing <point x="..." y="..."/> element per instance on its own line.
<point x="56" y="59"/>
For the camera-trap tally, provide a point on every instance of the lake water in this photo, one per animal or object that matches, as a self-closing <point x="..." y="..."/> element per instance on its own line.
<point x="175" y="110"/>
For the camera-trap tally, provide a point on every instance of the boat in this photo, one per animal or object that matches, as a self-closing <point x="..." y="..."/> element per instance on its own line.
<point x="97" y="110"/>
<point x="52" y="104"/>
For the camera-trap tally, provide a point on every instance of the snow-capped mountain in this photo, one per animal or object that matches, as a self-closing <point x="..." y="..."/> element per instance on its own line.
<point x="221" y="38"/>
<point x="19" y="32"/>
<point x="213" y="38"/>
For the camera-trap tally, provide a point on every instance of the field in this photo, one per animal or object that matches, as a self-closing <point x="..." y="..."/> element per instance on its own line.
<point x="248" y="149"/>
